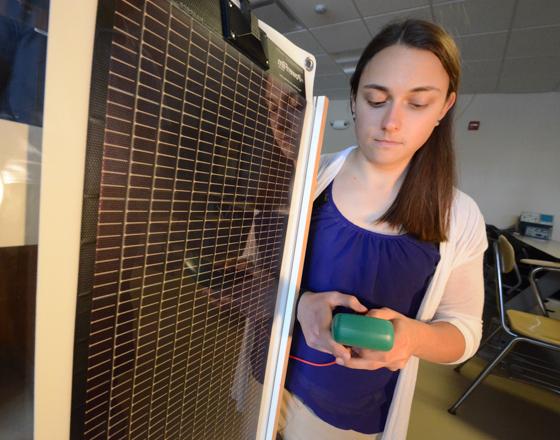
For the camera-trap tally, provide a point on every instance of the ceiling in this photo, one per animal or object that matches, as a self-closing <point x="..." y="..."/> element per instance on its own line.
<point x="507" y="46"/>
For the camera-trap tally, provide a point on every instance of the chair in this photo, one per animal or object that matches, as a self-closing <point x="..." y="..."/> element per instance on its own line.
<point x="509" y="261"/>
<point x="526" y="327"/>
<point x="510" y="267"/>
<point x="539" y="266"/>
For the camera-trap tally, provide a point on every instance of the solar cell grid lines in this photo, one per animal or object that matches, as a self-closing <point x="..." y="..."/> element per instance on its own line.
<point x="197" y="161"/>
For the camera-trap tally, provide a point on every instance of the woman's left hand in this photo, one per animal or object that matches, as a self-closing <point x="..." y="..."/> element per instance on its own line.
<point x="397" y="357"/>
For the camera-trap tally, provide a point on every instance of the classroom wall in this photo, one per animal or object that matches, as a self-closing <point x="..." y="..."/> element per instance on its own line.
<point x="336" y="140"/>
<point x="511" y="164"/>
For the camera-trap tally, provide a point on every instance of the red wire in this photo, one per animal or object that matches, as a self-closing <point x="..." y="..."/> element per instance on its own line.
<point x="328" y="364"/>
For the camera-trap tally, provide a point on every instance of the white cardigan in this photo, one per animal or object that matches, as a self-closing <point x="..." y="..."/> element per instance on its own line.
<point x="461" y="305"/>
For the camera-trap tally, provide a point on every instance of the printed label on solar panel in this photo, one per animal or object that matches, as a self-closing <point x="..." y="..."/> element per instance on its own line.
<point x="190" y="162"/>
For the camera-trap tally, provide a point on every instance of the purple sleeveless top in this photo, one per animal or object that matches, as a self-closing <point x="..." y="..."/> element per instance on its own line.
<point x="381" y="271"/>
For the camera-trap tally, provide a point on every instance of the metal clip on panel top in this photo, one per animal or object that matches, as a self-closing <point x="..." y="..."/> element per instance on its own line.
<point x="241" y="28"/>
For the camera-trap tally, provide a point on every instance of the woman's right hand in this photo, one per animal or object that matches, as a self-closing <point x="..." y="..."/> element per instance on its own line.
<point x="314" y="314"/>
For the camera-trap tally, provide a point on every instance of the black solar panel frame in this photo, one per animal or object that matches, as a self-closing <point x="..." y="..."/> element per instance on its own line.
<point x="102" y="133"/>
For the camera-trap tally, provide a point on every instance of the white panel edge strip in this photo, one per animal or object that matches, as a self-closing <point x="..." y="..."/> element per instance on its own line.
<point x="67" y="86"/>
<point x="289" y="279"/>
<point x="273" y="380"/>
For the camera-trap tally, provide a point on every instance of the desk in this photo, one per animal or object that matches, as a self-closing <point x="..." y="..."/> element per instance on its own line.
<point x="549" y="247"/>
<point x="549" y="282"/>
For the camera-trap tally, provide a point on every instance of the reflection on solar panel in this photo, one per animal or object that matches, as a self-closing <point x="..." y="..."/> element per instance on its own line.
<point x="191" y="157"/>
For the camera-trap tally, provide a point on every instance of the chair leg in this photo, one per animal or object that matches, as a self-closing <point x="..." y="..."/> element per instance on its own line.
<point x="537" y="291"/>
<point x="482" y="344"/>
<point x="482" y="375"/>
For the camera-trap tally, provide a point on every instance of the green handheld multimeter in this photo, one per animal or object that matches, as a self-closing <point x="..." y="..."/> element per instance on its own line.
<point x="363" y="331"/>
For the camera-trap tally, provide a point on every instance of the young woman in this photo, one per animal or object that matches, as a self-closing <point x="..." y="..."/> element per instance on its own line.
<point x="392" y="238"/>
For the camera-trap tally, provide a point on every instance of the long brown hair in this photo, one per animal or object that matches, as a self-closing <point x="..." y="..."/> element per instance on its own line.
<point x="423" y="205"/>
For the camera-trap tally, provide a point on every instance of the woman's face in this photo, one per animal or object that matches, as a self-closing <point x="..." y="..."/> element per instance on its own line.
<point x="400" y="98"/>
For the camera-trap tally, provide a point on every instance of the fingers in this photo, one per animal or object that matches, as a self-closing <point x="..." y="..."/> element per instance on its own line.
<point x="365" y="359"/>
<point x="334" y="299"/>
<point x="359" y="363"/>
<point x="351" y="302"/>
<point x="315" y="316"/>
<point x="339" y="351"/>
<point x="323" y="341"/>
<point x="383" y="313"/>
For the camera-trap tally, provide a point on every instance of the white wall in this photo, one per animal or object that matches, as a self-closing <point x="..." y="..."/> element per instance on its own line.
<point x="336" y="140"/>
<point x="511" y="164"/>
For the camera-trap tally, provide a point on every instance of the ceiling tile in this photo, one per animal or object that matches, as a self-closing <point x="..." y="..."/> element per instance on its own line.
<point x="331" y="81"/>
<point x="530" y="75"/>
<point x="474" y="16"/>
<point x="348" y="60"/>
<point x="348" y="56"/>
<point x="482" y="46"/>
<point x="473" y="89"/>
<point x="536" y="13"/>
<point x="275" y="17"/>
<point x="326" y="65"/>
<point x="343" y="36"/>
<point x="534" y="42"/>
<point x="480" y="76"/>
<point x="375" y="24"/>
<point x="337" y="11"/>
<point x="348" y="68"/>
<point x="376" y="7"/>
<point x="306" y="41"/>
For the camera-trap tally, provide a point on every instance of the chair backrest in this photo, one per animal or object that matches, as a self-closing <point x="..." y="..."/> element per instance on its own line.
<point x="508" y="254"/>
<point x="509" y="264"/>
<point x="498" y="260"/>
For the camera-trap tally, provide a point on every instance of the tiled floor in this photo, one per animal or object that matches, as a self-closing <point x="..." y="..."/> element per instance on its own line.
<point x="499" y="408"/>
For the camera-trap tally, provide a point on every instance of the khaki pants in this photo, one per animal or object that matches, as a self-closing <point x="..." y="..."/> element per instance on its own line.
<point x="298" y="422"/>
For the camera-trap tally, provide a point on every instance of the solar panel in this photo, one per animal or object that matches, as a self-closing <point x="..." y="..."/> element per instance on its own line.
<point x="191" y="157"/>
